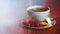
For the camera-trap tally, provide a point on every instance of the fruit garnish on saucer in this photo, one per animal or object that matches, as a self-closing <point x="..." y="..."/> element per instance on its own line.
<point x="44" y="23"/>
<point x="34" y="23"/>
<point x="26" y="21"/>
<point x="32" y="20"/>
<point x="37" y="24"/>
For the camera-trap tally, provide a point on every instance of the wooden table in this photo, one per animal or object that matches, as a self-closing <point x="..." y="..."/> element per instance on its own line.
<point x="19" y="29"/>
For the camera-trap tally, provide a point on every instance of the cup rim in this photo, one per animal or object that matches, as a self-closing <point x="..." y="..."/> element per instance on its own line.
<point x="37" y="6"/>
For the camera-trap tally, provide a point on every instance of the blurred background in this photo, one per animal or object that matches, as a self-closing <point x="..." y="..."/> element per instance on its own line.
<point x="15" y="10"/>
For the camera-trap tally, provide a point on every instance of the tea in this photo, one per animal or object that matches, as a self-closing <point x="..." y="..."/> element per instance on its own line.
<point x="39" y="9"/>
<point x="39" y="12"/>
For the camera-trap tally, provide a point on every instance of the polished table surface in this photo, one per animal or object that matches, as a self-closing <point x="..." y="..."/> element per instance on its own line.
<point x="19" y="29"/>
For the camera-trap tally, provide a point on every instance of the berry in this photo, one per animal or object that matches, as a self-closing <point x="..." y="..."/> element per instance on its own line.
<point x="33" y="20"/>
<point x="31" y="25"/>
<point x="26" y="21"/>
<point x="37" y="24"/>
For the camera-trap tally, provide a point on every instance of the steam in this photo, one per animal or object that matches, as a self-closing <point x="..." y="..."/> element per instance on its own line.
<point x="30" y="2"/>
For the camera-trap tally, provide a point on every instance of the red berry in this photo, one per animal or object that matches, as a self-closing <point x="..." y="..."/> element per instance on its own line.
<point x="33" y="20"/>
<point x="31" y="25"/>
<point x="37" y="24"/>
<point x="26" y="21"/>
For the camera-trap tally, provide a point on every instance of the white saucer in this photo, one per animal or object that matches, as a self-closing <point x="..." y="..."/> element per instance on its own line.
<point x="53" y="22"/>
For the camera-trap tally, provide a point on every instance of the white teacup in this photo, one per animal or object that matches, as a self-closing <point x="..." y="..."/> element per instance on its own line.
<point x="40" y="15"/>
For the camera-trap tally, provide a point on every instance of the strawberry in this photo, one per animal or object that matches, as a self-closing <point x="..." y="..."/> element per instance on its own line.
<point x="37" y="24"/>
<point x="33" y="20"/>
<point x="26" y="21"/>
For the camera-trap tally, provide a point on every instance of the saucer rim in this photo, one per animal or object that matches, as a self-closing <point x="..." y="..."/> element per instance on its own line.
<point x="54" y="21"/>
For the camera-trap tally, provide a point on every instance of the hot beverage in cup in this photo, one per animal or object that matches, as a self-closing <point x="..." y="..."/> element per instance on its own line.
<point x="39" y="9"/>
<point x="39" y="12"/>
